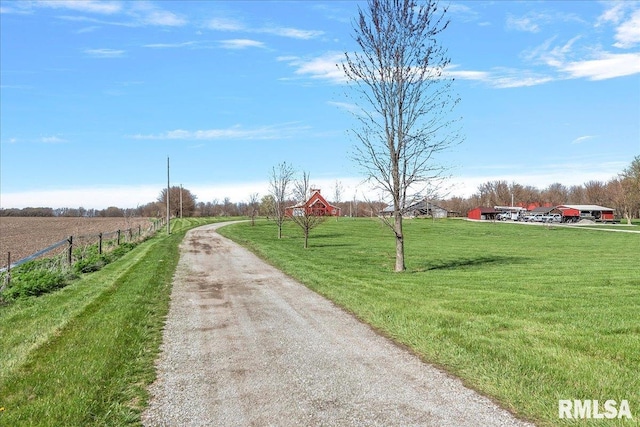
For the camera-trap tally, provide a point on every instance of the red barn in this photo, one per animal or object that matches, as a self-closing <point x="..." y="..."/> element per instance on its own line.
<point x="574" y="213"/>
<point x="316" y="205"/>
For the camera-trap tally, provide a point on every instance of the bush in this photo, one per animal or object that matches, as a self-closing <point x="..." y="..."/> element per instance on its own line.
<point x="38" y="277"/>
<point x="35" y="283"/>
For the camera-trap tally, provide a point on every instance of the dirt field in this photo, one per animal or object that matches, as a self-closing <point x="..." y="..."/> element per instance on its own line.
<point x="24" y="236"/>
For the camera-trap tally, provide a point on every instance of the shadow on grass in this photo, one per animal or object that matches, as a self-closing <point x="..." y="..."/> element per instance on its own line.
<point x="454" y="264"/>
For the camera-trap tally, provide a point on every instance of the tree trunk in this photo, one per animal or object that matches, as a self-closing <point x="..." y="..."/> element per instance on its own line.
<point x="306" y="238"/>
<point x="397" y="228"/>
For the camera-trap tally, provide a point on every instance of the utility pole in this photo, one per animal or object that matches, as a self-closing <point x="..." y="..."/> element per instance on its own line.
<point x="180" y="201"/>
<point x="168" y="217"/>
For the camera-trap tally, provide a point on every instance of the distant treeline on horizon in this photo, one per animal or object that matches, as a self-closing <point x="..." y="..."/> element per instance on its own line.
<point x="68" y="212"/>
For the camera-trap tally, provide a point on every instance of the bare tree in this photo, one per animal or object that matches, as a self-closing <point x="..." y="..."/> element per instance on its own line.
<point x="404" y="94"/>
<point x="279" y="182"/>
<point x="629" y="190"/>
<point x="253" y="207"/>
<point x="337" y="194"/>
<point x="301" y="187"/>
<point x="305" y="217"/>
<point x="188" y="201"/>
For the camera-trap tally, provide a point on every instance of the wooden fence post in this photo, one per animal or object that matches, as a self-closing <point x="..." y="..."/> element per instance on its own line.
<point x="100" y="243"/>
<point x="70" y="252"/>
<point x="118" y="237"/>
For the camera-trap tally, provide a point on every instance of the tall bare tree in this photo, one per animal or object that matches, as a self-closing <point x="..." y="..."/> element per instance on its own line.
<point x="629" y="192"/>
<point x="405" y="96"/>
<point x="279" y="187"/>
<point x="175" y="195"/>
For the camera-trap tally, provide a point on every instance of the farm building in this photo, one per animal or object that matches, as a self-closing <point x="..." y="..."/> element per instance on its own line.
<point x="545" y="210"/>
<point x="574" y="213"/>
<point x="315" y="205"/>
<point x="421" y="208"/>
<point x="483" y="213"/>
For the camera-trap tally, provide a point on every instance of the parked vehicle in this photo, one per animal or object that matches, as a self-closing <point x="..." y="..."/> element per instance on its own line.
<point x="538" y="218"/>
<point x="555" y="217"/>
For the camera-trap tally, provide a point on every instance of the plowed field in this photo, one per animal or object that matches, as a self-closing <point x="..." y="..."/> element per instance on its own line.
<point x="23" y="236"/>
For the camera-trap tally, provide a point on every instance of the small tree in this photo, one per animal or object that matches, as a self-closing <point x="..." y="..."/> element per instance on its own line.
<point x="279" y="182"/>
<point x="400" y="83"/>
<point x="253" y="207"/>
<point x="337" y="194"/>
<point x="305" y="217"/>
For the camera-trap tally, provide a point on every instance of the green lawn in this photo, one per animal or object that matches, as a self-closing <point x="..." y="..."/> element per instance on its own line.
<point x="84" y="355"/>
<point x="527" y="315"/>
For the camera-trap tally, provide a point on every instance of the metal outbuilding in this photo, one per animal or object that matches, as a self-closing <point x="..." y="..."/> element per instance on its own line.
<point x="482" y="213"/>
<point x="574" y="213"/>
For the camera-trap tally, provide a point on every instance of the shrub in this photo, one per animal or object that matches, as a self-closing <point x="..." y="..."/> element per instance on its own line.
<point x="35" y="283"/>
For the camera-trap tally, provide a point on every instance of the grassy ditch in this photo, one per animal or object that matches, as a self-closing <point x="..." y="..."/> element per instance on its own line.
<point x="84" y="355"/>
<point x="526" y="315"/>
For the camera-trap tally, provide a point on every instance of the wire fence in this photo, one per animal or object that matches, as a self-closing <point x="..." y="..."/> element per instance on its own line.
<point x="68" y="251"/>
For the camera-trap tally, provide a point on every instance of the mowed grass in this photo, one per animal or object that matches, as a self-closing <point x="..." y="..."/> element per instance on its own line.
<point x="527" y="315"/>
<point x="84" y="355"/>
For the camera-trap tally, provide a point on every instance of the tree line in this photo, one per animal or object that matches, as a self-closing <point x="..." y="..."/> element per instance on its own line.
<point x="621" y="193"/>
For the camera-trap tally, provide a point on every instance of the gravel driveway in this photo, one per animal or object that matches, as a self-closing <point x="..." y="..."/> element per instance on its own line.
<point x="245" y="345"/>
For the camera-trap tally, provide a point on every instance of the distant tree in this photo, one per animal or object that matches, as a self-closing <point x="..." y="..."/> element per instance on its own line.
<point x="112" y="212"/>
<point x="279" y="187"/>
<point x="338" y="189"/>
<point x="405" y="100"/>
<point x="188" y="201"/>
<point x="577" y="195"/>
<point x="629" y="190"/>
<point x="267" y="205"/>
<point x="556" y="194"/>
<point x="596" y="192"/>
<point x="253" y="207"/>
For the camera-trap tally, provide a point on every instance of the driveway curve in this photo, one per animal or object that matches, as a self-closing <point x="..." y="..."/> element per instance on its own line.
<point x="246" y="345"/>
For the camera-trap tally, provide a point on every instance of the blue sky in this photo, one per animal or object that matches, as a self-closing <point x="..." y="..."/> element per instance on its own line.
<point x="95" y="96"/>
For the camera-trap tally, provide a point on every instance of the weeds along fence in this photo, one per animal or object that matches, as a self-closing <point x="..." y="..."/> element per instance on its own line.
<point x="74" y="249"/>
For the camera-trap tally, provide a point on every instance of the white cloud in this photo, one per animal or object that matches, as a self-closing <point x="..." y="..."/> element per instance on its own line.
<point x="147" y="13"/>
<point x="290" y="32"/>
<point x="88" y="6"/>
<point x="628" y="33"/>
<point x="581" y="139"/>
<point x="500" y="78"/>
<point x="104" y="53"/>
<point x="604" y="66"/>
<point x="225" y="24"/>
<point x="322" y="67"/>
<point x="52" y="140"/>
<point x="524" y="23"/>
<point x="283" y="131"/>
<point x="171" y="45"/>
<point x="163" y="18"/>
<point x="230" y="24"/>
<point x="240" y="44"/>
<point x="614" y="13"/>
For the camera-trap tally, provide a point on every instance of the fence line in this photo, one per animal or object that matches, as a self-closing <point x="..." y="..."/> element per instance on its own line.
<point x="71" y="241"/>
